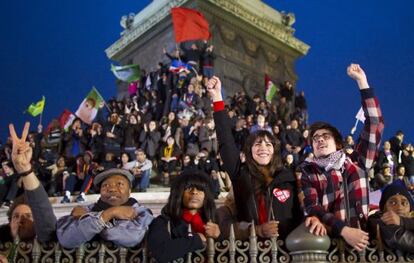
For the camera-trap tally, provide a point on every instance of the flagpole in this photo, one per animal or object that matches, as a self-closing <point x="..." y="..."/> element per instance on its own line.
<point x="104" y="101"/>
<point x="176" y="48"/>
<point x="40" y="118"/>
<point x="355" y="127"/>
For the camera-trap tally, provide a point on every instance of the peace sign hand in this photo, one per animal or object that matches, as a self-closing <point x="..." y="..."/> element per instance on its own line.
<point x="21" y="151"/>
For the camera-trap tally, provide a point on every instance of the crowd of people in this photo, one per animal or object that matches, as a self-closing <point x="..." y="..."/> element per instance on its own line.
<point x="175" y="129"/>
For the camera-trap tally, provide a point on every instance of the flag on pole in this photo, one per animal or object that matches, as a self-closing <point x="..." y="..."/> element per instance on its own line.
<point x="189" y="24"/>
<point x="65" y="119"/>
<point x="35" y="109"/>
<point x="360" y="116"/>
<point x="128" y="73"/>
<point x="89" y="107"/>
<point x="271" y="89"/>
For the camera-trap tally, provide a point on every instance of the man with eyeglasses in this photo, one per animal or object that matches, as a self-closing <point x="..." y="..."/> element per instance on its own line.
<point x="335" y="187"/>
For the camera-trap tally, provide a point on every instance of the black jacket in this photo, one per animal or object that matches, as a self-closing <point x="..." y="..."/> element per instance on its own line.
<point x="288" y="212"/>
<point x="166" y="246"/>
<point x="396" y="237"/>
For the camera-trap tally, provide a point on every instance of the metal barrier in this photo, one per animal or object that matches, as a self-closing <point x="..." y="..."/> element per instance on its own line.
<point x="231" y="250"/>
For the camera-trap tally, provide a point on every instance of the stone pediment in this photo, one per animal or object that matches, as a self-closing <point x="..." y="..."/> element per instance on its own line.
<point x="254" y="12"/>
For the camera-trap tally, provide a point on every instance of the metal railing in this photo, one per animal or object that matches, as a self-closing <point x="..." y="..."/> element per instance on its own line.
<point x="231" y="250"/>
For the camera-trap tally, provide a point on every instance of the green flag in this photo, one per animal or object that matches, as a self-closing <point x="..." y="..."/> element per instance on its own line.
<point x="89" y="107"/>
<point x="36" y="108"/>
<point x="128" y="73"/>
<point x="271" y="89"/>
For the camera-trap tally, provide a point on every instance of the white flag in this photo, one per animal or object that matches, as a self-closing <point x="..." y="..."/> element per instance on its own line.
<point x="360" y="115"/>
<point x="148" y="82"/>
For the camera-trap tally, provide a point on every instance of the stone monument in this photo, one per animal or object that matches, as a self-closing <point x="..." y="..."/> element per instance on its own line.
<point x="250" y="39"/>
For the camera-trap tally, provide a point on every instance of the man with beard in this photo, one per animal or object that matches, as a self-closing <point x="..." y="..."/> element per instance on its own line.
<point x="115" y="217"/>
<point x="31" y="215"/>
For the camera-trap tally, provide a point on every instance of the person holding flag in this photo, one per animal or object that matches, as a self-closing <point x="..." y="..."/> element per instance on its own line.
<point x="190" y="25"/>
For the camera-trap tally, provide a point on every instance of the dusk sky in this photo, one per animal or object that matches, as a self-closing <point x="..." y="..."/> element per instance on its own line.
<point x="56" y="49"/>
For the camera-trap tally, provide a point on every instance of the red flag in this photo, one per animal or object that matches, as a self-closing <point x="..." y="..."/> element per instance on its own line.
<point x="66" y="119"/>
<point x="189" y="25"/>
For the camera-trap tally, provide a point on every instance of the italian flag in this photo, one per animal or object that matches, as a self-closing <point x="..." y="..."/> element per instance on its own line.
<point x="128" y="73"/>
<point x="271" y="89"/>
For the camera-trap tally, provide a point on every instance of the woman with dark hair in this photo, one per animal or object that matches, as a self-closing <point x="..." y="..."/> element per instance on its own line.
<point x="169" y="126"/>
<point x="265" y="192"/>
<point x="186" y="220"/>
<point x="169" y="156"/>
<point x="74" y="140"/>
<point x="132" y="128"/>
<point x="125" y="158"/>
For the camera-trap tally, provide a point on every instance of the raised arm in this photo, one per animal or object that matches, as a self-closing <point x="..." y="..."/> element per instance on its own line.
<point x="44" y="219"/>
<point x="370" y="137"/>
<point x="228" y="149"/>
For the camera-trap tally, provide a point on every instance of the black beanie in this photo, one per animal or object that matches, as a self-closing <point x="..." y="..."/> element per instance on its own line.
<point x="395" y="188"/>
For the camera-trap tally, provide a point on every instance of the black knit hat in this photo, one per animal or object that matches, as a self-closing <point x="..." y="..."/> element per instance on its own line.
<point x="395" y="188"/>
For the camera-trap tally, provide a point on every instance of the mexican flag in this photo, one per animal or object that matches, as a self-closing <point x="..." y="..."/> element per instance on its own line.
<point x="89" y="107"/>
<point x="128" y="73"/>
<point x="35" y="109"/>
<point x="271" y="89"/>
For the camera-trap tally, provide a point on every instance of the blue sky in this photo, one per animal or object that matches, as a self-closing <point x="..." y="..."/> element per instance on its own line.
<point x="56" y="49"/>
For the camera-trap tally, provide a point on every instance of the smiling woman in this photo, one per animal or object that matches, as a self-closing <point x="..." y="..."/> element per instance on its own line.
<point x="264" y="191"/>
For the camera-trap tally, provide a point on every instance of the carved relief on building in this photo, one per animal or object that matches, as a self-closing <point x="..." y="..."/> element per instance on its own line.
<point x="271" y="56"/>
<point x="250" y="47"/>
<point x="252" y="84"/>
<point x="227" y="34"/>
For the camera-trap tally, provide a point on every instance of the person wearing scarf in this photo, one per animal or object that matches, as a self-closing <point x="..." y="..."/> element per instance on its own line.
<point x="115" y="217"/>
<point x="336" y="187"/>
<point x="186" y="220"/>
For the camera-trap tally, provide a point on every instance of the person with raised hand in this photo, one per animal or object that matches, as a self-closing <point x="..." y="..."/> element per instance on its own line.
<point x="336" y="188"/>
<point x="31" y="215"/>
<point x="264" y="191"/>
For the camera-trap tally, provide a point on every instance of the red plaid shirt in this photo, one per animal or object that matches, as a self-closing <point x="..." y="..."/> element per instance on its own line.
<point x="324" y="190"/>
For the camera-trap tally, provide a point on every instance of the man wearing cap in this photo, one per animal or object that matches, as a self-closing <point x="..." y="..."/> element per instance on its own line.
<point x="114" y="217"/>
<point x="334" y="186"/>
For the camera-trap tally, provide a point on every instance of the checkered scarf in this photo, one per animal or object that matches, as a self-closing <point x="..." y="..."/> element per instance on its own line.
<point x="333" y="161"/>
